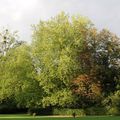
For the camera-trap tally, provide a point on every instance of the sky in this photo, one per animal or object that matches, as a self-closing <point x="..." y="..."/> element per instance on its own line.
<point x="21" y="14"/>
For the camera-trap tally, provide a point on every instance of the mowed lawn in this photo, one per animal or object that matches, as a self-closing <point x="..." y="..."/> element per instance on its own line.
<point x="25" y="117"/>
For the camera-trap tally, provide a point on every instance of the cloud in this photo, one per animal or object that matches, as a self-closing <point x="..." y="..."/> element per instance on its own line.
<point x="20" y="14"/>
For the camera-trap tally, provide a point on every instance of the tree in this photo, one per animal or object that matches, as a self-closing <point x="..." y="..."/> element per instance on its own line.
<point x="18" y="78"/>
<point x="8" y="40"/>
<point x="106" y="57"/>
<point x="100" y="58"/>
<point x="56" y="45"/>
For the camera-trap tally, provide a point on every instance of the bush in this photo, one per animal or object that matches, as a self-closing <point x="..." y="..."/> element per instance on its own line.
<point x="11" y="109"/>
<point x="112" y="104"/>
<point x="40" y="111"/>
<point x="113" y="111"/>
<point x="95" y="111"/>
<point x="67" y="111"/>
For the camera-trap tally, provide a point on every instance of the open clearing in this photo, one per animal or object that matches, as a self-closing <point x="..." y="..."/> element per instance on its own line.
<point x="25" y="117"/>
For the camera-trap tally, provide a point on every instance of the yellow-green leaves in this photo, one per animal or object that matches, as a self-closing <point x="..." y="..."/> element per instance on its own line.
<point x="56" y="45"/>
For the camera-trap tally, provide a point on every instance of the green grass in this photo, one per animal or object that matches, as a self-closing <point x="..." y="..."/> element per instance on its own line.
<point x="26" y="117"/>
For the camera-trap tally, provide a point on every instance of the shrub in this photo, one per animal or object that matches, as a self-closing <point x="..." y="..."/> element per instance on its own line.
<point x="112" y="104"/>
<point x="113" y="111"/>
<point x="67" y="111"/>
<point x="40" y="111"/>
<point x="95" y="111"/>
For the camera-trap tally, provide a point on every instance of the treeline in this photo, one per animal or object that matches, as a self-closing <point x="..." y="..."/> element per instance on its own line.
<point x="69" y="66"/>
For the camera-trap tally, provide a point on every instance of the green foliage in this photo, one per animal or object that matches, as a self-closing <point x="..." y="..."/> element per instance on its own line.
<point x="8" y="40"/>
<point x="95" y="110"/>
<point x="69" y="64"/>
<point x="113" y="111"/>
<point x="66" y="111"/>
<point x="105" y="51"/>
<point x="56" y="45"/>
<point x="112" y="104"/>
<point x="17" y="79"/>
<point x="62" y="98"/>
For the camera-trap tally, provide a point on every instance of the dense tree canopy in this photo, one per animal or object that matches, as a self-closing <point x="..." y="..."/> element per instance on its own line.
<point x="17" y="78"/>
<point x="73" y="56"/>
<point x="56" y="46"/>
<point x="69" y="64"/>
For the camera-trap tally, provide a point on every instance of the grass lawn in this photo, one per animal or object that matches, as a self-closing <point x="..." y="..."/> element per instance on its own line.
<point x="25" y="117"/>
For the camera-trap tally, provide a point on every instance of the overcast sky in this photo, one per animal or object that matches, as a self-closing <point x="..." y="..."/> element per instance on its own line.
<point x="21" y="14"/>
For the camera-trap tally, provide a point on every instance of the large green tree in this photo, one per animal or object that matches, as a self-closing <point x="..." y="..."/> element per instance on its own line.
<point x="17" y="78"/>
<point x="65" y="48"/>
<point x="56" y="46"/>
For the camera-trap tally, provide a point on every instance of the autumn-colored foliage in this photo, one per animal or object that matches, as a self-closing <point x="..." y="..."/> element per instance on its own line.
<point x="85" y="86"/>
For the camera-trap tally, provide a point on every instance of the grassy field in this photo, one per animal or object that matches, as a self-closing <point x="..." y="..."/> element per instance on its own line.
<point x="25" y="117"/>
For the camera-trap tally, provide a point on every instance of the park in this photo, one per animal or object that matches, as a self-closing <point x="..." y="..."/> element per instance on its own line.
<point x="69" y="70"/>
